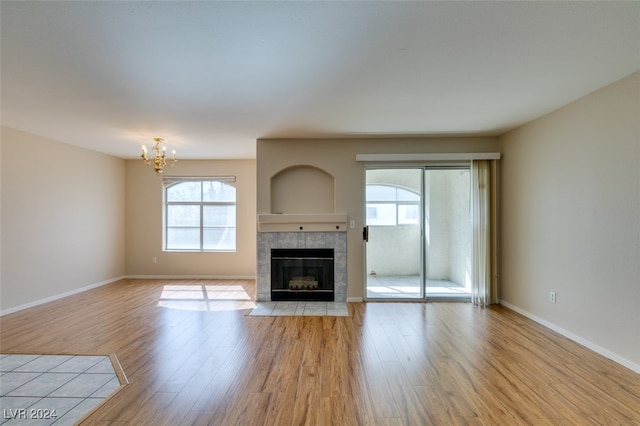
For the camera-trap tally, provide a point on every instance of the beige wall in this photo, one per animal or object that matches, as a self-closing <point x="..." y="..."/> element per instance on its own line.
<point x="144" y="223"/>
<point x="571" y="219"/>
<point x="73" y="218"/>
<point x="62" y="219"/>
<point x="337" y="157"/>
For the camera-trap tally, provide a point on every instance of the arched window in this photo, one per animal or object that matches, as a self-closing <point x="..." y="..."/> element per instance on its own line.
<point x="389" y="205"/>
<point x="200" y="215"/>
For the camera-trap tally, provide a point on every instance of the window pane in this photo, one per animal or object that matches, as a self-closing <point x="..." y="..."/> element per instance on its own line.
<point x="408" y="214"/>
<point x="406" y="195"/>
<point x="390" y="193"/>
<point x="372" y="213"/>
<point x="219" y="238"/>
<point x="218" y="191"/>
<point x="183" y="238"/>
<point x="220" y="215"/>
<point x="185" y="191"/>
<point x="381" y="193"/>
<point x="183" y="215"/>
<point x="381" y="214"/>
<point x="200" y="215"/>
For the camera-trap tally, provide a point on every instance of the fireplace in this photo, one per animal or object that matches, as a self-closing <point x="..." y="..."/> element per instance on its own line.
<point x="302" y="274"/>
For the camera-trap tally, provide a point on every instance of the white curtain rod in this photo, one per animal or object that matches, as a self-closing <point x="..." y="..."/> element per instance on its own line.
<point x="429" y="157"/>
<point x="174" y="179"/>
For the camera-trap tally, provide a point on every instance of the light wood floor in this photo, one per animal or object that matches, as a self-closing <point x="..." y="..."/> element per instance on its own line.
<point x="195" y="361"/>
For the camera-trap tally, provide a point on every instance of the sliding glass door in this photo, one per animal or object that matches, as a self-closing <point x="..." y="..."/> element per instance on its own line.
<point x="418" y="223"/>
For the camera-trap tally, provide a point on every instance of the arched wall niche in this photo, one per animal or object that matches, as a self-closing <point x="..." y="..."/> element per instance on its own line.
<point x="302" y="189"/>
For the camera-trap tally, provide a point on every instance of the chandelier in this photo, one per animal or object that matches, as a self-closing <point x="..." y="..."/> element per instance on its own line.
<point x="159" y="162"/>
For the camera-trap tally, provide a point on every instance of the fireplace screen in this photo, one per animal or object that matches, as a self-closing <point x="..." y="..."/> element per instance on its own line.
<point x="302" y="274"/>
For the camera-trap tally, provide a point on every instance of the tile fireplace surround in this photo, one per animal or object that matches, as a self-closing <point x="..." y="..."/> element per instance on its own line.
<point x="268" y="240"/>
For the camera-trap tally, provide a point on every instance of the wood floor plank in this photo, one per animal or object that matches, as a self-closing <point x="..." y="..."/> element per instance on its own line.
<point x="409" y="405"/>
<point x="192" y="356"/>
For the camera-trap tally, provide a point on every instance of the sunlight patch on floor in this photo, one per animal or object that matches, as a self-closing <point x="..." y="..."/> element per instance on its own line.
<point x="408" y="287"/>
<point x="205" y="298"/>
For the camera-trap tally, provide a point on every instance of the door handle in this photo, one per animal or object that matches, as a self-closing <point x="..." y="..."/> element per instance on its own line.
<point x="365" y="234"/>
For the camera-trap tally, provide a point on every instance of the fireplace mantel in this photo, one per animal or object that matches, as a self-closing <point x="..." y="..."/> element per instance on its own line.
<point x="302" y="222"/>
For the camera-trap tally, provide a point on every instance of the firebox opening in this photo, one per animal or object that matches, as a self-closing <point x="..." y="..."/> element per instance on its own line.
<point x="302" y="274"/>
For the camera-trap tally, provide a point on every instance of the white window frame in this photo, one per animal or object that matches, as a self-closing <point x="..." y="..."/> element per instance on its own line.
<point x="169" y="182"/>
<point x="395" y="203"/>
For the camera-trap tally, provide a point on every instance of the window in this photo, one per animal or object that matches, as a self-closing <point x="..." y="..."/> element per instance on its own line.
<point x="200" y="214"/>
<point x="390" y="206"/>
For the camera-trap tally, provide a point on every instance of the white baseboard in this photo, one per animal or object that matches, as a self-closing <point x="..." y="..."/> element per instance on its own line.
<point x="58" y="296"/>
<point x="584" y="342"/>
<point x="355" y="299"/>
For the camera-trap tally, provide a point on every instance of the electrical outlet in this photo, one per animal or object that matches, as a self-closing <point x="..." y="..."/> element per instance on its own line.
<point x="552" y="296"/>
<point x="154" y="259"/>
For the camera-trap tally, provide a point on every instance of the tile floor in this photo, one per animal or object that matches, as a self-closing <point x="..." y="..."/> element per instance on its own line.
<point x="300" y="309"/>
<point x="53" y="389"/>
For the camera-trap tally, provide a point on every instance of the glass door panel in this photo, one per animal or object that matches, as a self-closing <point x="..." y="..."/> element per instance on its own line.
<point x="447" y="220"/>
<point x="394" y="251"/>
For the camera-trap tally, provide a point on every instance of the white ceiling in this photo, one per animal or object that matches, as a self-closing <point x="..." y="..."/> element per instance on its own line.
<point x="212" y="77"/>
